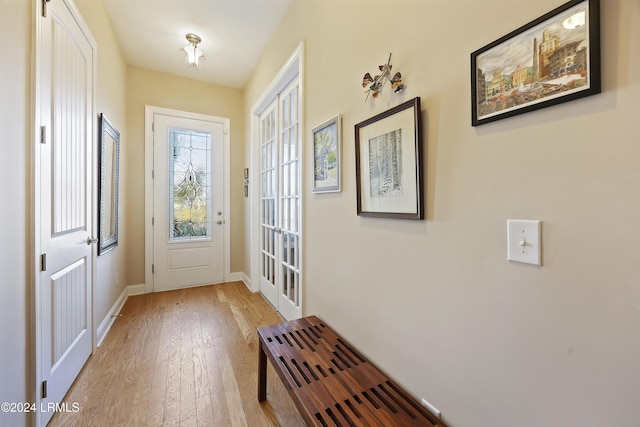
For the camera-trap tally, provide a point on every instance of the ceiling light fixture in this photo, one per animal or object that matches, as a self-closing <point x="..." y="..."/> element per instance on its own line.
<point x="193" y="52"/>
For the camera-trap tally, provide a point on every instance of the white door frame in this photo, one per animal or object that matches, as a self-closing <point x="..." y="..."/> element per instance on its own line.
<point x="292" y="68"/>
<point x="36" y="226"/>
<point x="148" y="187"/>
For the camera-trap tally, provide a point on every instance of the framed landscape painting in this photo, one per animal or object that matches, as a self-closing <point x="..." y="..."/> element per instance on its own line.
<point x="553" y="59"/>
<point x="389" y="163"/>
<point x="326" y="156"/>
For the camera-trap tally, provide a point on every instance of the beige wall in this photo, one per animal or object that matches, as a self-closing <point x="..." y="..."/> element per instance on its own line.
<point x="146" y="87"/>
<point x="110" y="99"/>
<point x="435" y="303"/>
<point x="15" y="123"/>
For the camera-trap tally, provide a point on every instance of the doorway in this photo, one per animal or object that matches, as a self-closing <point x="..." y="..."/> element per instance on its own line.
<point x="187" y="239"/>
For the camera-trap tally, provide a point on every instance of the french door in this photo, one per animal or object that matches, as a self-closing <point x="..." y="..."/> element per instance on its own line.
<point x="188" y="200"/>
<point x="280" y="203"/>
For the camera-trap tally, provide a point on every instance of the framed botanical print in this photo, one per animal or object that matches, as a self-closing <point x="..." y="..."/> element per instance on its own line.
<point x="389" y="163"/>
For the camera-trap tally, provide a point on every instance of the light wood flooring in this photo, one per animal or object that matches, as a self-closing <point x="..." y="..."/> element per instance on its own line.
<point x="181" y="358"/>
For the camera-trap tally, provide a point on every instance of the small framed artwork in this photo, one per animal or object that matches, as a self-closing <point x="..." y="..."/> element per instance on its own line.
<point x="553" y="59"/>
<point x="389" y="163"/>
<point x="326" y="156"/>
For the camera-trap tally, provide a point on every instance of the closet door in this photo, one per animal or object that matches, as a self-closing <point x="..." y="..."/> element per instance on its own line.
<point x="64" y="194"/>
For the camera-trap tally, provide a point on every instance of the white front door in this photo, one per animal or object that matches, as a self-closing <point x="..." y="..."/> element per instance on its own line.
<point x="64" y="200"/>
<point x="188" y="201"/>
<point x="280" y="204"/>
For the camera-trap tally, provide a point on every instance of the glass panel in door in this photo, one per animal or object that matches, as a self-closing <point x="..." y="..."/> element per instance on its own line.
<point x="268" y="201"/>
<point x="189" y="185"/>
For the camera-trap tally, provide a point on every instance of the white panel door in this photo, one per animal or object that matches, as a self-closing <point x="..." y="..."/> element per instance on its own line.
<point x="188" y="205"/>
<point x="65" y="200"/>
<point x="280" y="203"/>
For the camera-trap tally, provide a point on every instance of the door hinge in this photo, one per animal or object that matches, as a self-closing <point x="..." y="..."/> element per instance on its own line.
<point x="44" y="389"/>
<point x="153" y="174"/>
<point x="43" y="262"/>
<point x="43" y="134"/>
<point x="44" y="8"/>
<point x="153" y="268"/>
<point x="153" y="126"/>
<point x="153" y="220"/>
<point x="226" y="131"/>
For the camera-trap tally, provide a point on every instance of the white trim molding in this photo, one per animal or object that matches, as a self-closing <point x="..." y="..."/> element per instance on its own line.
<point x="247" y="281"/>
<point x="235" y="277"/>
<point x="107" y="322"/>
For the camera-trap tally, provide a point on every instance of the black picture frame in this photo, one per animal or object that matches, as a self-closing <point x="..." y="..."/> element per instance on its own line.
<point x="389" y="181"/>
<point x="550" y="60"/>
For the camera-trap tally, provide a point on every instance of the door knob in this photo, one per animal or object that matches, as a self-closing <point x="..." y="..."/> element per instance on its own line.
<point x="91" y="240"/>
<point x="219" y="222"/>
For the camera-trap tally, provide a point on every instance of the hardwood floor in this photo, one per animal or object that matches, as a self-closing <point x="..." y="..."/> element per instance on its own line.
<point x="181" y="358"/>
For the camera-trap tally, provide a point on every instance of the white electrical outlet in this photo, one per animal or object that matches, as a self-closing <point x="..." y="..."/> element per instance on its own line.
<point x="432" y="409"/>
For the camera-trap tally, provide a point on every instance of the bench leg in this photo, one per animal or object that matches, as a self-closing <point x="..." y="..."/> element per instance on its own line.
<point x="262" y="374"/>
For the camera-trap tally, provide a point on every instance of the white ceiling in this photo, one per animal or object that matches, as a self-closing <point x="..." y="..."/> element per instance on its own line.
<point x="234" y="34"/>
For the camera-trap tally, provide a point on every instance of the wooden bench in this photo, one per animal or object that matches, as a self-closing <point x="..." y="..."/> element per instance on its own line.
<point x="330" y="382"/>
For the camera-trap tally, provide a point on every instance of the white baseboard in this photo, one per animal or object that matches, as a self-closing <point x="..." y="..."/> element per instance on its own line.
<point x="241" y="276"/>
<point x="235" y="277"/>
<point x="106" y="323"/>
<point x="136" y="290"/>
<point x="247" y="281"/>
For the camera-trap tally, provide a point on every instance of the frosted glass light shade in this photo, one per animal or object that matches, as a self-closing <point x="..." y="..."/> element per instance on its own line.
<point x="193" y="53"/>
<point x="193" y="56"/>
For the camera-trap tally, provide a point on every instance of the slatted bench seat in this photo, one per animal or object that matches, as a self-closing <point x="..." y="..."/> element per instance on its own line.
<point x="331" y="383"/>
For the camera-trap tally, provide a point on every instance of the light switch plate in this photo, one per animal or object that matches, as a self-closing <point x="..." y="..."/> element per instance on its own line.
<point x="524" y="241"/>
